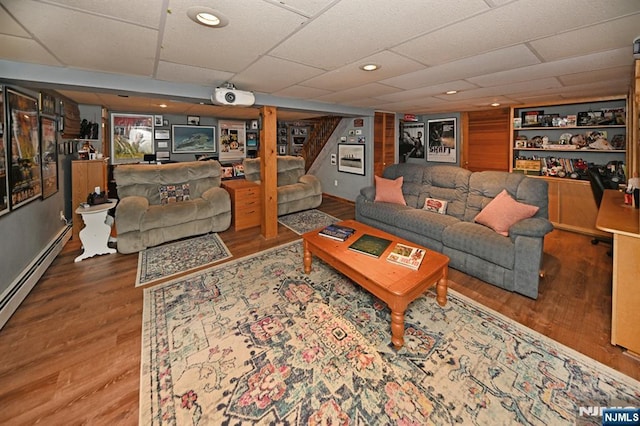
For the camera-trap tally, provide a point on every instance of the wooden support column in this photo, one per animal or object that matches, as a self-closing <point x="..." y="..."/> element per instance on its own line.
<point x="269" y="172"/>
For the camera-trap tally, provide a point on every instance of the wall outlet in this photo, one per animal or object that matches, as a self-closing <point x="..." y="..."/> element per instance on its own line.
<point x="335" y="182"/>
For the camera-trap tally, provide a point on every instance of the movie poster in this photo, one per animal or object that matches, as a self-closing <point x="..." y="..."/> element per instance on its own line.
<point x="412" y="141"/>
<point x="442" y="140"/>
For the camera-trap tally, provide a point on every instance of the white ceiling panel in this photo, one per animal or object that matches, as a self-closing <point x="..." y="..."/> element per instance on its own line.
<point x="511" y="57"/>
<point x="514" y="51"/>
<point x="596" y="61"/>
<point x="351" y="75"/>
<point x="146" y="13"/>
<point x="613" y="34"/>
<point x="268" y="71"/>
<point x="168" y="71"/>
<point x="513" y="23"/>
<point x="251" y="32"/>
<point x="353" y="29"/>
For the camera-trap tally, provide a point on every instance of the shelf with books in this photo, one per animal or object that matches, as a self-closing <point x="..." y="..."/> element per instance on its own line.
<point x="408" y="256"/>
<point x="584" y="132"/>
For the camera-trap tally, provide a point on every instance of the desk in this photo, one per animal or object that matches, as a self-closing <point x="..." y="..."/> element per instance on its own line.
<point x="95" y="234"/>
<point x="623" y="221"/>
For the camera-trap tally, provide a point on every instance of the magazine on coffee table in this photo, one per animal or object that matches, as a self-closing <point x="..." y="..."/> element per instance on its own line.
<point x="337" y="232"/>
<point x="370" y="245"/>
<point x="408" y="256"/>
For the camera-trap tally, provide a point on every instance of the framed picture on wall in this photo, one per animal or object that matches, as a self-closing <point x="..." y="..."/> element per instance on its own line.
<point x="4" y="184"/>
<point x="351" y="158"/>
<point x="232" y="140"/>
<point x="442" y="140"/>
<point x="131" y="137"/>
<point x="23" y="142"/>
<point x="49" y="150"/>
<point x="193" y="139"/>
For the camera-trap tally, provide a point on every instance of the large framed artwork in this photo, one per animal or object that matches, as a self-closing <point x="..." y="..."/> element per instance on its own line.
<point x="49" y="156"/>
<point x="412" y="140"/>
<point x="131" y="137"/>
<point x="4" y="182"/>
<point x="25" y="182"/>
<point x="351" y="158"/>
<point x="233" y="140"/>
<point x="193" y="139"/>
<point x="442" y="140"/>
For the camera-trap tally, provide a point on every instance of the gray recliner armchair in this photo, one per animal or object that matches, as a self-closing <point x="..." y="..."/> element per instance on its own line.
<point x="297" y="191"/>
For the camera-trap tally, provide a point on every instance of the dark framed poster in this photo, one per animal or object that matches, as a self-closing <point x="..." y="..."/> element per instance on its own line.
<point x="412" y="140"/>
<point x="4" y="182"/>
<point x="25" y="179"/>
<point x="49" y="156"/>
<point x="442" y="140"/>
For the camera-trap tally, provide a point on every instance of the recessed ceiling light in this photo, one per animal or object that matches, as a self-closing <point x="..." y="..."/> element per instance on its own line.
<point x="370" y="67"/>
<point x="207" y="17"/>
<point x="451" y="92"/>
<point x="495" y="104"/>
<point x="162" y="105"/>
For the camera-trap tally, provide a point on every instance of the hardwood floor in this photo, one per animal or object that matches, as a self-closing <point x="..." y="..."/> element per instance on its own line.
<point x="71" y="352"/>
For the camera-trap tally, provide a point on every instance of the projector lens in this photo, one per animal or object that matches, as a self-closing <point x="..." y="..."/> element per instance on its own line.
<point x="230" y="97"/>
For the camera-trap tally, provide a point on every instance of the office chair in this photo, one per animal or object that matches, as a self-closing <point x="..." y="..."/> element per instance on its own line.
<point x="599" y="182"/>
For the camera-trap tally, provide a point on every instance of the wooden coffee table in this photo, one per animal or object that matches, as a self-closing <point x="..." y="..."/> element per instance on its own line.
<point x="395" y="285"/>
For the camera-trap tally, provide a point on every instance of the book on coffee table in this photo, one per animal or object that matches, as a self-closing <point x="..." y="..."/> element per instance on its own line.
<point x="408" y="256"/>
<point x="337" y="232"/>
<point x="370" y="245"/>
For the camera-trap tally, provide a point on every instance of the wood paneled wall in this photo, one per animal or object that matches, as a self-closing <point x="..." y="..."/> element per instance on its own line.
<point x="486" y="140"/>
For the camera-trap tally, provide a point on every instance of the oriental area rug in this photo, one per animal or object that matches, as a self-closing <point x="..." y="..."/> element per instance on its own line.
<point x="255" y="341"/>
<point x="307" y="220"/>
<point x="167" y="260"/>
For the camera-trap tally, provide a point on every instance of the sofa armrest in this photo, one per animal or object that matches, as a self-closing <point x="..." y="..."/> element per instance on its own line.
<point x="369" y="193"/>
<point x="313" y="181"/>
<point x="129" y="213"/>
<point x="531" y="227"/>
<point x="218" y="195"/>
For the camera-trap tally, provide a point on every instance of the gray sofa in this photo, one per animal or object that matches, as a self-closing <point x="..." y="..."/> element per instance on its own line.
<point x="511" y="262"/>
<point x="297" y="191"/>
<point x="145" y="218"/>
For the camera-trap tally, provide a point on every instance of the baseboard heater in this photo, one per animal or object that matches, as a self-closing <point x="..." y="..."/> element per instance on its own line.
<point x="22" y="285"/>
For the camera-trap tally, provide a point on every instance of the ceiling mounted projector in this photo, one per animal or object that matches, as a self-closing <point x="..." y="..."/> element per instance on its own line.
<point x="230" y="96"/>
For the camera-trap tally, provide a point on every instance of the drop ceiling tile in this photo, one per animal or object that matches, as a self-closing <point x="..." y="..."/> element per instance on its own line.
<point x="81" y="43"/>
<point x="422" y="92"/>
<point x="306" y="8"/>
<point x="603" y="75"/>
<point x="142" y="12"/>
<point x="510" y="24"/>
<point x="365" y="91"/>
<point x="359" y="30"/>
<point x="169" y="71"/>
<point x="25" y="50"/>
<point x="612" y="35"/>
<point x="602" y="60"/>
<point x="511" y="57"/>
<point x="504" y="90"/>
<point x="351" y="75"/>
<point x="251" y="32"/>
<point x="301" y="92"/>
<point x="8" y="25"/>
<point x="267" y="72"/>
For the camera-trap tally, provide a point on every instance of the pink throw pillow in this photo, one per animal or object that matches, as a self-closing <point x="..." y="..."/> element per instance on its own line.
<point x="503" y="212"/>
<point x="389" y="191"/>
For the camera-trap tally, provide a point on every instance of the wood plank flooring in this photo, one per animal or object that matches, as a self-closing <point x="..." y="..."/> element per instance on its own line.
<point x="71" y="352"/>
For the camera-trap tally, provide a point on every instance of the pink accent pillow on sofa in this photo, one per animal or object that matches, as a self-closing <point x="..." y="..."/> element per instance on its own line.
<point x="503" y="211"/>
<point x="389" y="190"/>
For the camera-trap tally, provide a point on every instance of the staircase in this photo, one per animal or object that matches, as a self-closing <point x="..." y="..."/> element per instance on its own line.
<point x="322" y="129"/>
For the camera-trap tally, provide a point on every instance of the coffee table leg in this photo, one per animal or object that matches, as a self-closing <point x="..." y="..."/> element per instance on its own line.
<point x="397" y="329"/>
<point x="306" y="257"/>
<point x="441" y="289"/>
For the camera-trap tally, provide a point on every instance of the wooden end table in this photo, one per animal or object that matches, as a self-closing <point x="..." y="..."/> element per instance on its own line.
<point x="395" y="285"/>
